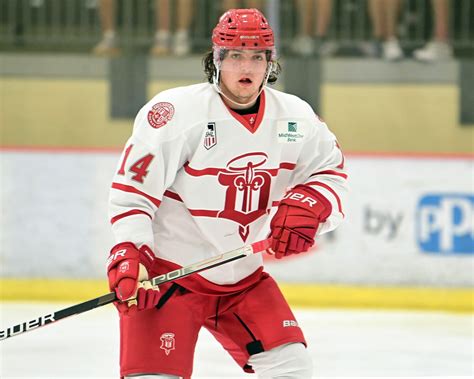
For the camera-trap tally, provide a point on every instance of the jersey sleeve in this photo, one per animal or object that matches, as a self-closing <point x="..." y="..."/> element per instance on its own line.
<point x="147" y="167"/>
<point x="322" y="167"/>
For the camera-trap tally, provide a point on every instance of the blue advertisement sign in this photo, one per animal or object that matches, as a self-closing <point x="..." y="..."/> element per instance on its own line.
<point x="445" y="223"/>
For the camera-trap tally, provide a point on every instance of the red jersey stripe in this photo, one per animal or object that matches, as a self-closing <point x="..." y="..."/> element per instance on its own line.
<point x="215" y="171"/>
<point x="199" y="212"/>
<point x="331" y="172"/>
<point x="172" y="195"/>
<point x="339" y="205"/>
<point x="126" y="214"/>
<point x="204" y="212"/>
<point x="130" y="189"/>
<point x="207" y="171"/>
<point x="283" y="166"/>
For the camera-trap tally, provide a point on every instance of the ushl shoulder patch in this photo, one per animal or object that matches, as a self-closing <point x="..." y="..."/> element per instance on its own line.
<point x="160" y="114"/>
<point x="210" y="138"/>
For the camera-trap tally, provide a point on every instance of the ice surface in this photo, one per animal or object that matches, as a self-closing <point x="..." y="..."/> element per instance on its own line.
<point x="343" y="343"/>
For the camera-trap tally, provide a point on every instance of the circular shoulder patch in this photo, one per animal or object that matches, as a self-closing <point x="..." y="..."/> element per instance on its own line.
<point x="160" y="114"/>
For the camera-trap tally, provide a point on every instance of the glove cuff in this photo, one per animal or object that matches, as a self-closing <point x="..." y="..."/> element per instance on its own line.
<point x="147" y="257"/>
<point x="305" y="197"/>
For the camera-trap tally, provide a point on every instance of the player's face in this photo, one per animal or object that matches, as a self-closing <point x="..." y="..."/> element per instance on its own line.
<point x="242" y="73"/>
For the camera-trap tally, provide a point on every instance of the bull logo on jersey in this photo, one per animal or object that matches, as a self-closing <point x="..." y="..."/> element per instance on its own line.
<point x="248" y="190"/>
<point x="210" y="138"/>
<point x="167" y="342"/>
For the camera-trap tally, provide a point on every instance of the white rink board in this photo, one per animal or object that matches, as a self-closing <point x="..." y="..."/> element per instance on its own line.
<point x="54" y="221"/>
<point x="381" y="240"/>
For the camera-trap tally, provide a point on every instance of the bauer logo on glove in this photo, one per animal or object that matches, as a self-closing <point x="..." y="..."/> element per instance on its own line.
<point x="296" y="221"/>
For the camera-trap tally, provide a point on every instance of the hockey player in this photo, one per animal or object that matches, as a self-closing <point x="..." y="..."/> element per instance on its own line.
<point x="209" y="168"/>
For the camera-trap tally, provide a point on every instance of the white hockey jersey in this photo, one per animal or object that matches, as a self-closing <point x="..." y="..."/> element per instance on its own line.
<point x="195" y="179"/>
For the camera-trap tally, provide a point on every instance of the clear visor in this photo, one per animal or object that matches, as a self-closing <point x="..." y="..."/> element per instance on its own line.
<point x="242" y="60"/>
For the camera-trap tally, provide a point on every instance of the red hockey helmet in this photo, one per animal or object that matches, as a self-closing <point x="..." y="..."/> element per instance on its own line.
<point x="243" y="29"/>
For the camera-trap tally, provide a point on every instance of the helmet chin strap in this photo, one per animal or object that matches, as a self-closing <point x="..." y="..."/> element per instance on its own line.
<point x="215" y="84"/>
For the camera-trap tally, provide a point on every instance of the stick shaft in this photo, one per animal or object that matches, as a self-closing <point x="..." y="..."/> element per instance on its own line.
<point x="111" y="297"/>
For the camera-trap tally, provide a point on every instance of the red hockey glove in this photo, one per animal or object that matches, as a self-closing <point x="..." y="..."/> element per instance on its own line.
<point x="127" y="267"/>
<point x="297" y="220"/>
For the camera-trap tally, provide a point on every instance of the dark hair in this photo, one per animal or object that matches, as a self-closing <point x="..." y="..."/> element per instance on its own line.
<point x="210" y="68"/>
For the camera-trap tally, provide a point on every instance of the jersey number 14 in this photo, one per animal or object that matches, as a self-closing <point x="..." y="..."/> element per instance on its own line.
<point x="139" y="168"/>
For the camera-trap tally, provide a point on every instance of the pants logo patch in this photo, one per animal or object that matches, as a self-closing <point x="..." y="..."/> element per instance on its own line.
<point x="167" y="342"/>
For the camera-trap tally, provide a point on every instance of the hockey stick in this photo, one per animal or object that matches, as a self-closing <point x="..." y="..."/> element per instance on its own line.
<point x="219" y="260"/>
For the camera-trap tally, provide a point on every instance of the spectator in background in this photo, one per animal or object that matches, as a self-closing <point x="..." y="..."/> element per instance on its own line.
<point x="108" y="45"/>
<point x="439" y="48"/>
<point x="233" y="4"/>
<point x="312" y="34"/>
<point x="163" y="42"/>
<point x="384" y="15"/>
<point x="180" y="44"/>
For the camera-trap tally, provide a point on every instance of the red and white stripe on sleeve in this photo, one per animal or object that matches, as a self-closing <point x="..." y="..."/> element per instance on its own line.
<point x="327" y="176"/>
<point x="134" y="192"/>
